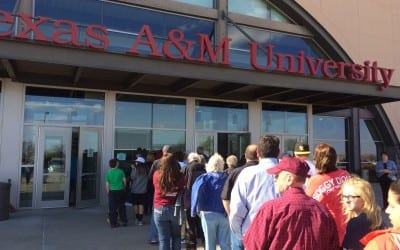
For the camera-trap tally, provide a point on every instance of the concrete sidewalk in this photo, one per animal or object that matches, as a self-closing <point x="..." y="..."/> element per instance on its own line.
<point x="70" y="228"/>
<point x="80" y="229"/>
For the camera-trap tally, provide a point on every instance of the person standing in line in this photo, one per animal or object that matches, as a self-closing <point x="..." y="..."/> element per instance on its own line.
<point x="191" y="172"/>
<point x="387" y="239"/>
<point x="325" y="186"/>
<point x="139" y="179"/>
<point x="206" y="202"/>
<point x="153" y="235"/>
<point x="168" y="182"/>
<point x="386" y="171"/>
<point x="115" y="186"/>
<point x="362" y="213"/>
<point x="293" y="221"/>
<point x="231" y="163"/>
<point x="251" y="160"/>
<point x="253" y="187"/>
<point x="200" y="151"/>
<point x="302" y="151"/>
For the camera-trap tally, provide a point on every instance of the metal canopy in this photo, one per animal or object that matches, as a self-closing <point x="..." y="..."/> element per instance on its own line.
<point x="70" y="67"/>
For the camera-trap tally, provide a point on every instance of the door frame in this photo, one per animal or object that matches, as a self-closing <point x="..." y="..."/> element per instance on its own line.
<point x="66" y="133"/>
<point x="92" y="202"/>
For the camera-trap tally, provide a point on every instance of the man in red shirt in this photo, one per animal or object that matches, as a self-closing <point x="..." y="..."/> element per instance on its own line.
<point x="293" y="221"/>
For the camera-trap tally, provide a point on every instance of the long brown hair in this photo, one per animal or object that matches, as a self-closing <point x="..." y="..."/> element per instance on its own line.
<point x="325" y="158"/>
<point x="169" y="173"/>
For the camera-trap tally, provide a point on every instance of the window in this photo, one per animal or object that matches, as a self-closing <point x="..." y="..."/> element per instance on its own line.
<point x="371" y="144"/>
<point x="221" y="116"/>
<point x="239" y="51"/>
<point x="257" y="8"/>
<point x="123" y="23"/>
<point x="148" y="123"/>
<point x="288" y="122"/>
<point x="60" y="106"/>
<point x="333" y="131"/>
<point x="204" y="3"/>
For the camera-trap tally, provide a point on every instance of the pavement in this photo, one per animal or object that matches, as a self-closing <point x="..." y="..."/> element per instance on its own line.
<point x="78" y="229"/>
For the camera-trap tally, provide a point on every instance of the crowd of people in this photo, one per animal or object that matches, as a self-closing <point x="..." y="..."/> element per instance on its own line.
<point x="259" y="202"/>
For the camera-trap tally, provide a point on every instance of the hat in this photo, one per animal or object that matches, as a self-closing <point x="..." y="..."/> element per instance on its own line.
<point x="291" y="164"/>
<point x="301" y="148"/>
<point x="140" y="159"/>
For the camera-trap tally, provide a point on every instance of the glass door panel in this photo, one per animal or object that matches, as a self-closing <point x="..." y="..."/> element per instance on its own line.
<point x="208" y="141"/>
<point x="89" y="162"/>
<point x="54" y="165"/>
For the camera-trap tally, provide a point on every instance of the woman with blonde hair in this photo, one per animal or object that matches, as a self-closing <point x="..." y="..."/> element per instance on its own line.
<point x="388" y="238"/>
<point x="363" y="215"/>
<point x="325" y="186"/>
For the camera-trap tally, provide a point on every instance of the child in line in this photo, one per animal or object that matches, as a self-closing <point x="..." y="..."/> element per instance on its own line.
<point x="115" y="186"/>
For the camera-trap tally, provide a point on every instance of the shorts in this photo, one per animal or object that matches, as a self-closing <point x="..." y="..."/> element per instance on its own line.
<point x="138" y="199"/>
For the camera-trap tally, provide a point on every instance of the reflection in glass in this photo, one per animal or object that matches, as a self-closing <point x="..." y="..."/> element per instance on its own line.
<point x="150" y="112"/>
<point x="132" y="138"/>
<point x="239" y="51"/>
<point x="28" y="145"/>
<point x="54" y="167"/>
<point x="204" y="3"/>
<point x="257" y="8"/>
<point x="280" y="118"/>
<point x="174" y="138"/>
<point x="53" y="187"/>
<point x="222" y="116"/>
<point x="58" y="106"/>
<point x="207" y="142"/>
<point x="125" y="21"/>
<point x="89" y="185"/>
<point x="371" y="145"/>
<point x="26" y="186"/>
<point x="330" y="127"/>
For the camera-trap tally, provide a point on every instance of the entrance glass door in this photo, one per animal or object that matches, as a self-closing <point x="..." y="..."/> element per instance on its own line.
<point x="233" y="144"/>
<point x="89" y="162"/>
<point x="208" y="141"/>
<point x="54" y="153"/>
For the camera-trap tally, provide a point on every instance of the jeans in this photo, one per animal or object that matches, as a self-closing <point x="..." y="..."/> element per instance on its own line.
<point x="216" y="230"/>
<point x="153" y="236"/>
<point x="169" y="230"/>
<point x="236" y="243"/>
<point x="193" y="230"/>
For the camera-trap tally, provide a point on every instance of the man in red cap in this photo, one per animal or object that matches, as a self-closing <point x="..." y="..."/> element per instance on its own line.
<point x="295" y="220"/>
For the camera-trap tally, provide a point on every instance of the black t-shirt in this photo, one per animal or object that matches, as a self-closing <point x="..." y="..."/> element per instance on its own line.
<point x="230" y="181"/>
<point x="357" y="228"/>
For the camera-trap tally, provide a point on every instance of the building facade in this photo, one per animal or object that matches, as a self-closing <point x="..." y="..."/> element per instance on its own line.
<point x="83" y="81"/>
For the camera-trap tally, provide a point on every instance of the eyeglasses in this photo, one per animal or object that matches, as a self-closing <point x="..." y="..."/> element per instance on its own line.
<point x="350" y="197"/>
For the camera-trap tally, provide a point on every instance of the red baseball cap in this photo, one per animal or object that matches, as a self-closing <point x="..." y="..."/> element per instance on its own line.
<point x="291" y="164"/>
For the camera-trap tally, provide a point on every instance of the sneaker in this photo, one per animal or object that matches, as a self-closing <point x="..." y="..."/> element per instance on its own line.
<point x="124" y="224"/>
<point x="114" y="226"/>
<point x="140" y="223"/>
<point x="153" y="242"/>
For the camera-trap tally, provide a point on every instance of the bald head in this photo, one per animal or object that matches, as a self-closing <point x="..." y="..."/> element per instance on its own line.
<point x="251" y="153"/>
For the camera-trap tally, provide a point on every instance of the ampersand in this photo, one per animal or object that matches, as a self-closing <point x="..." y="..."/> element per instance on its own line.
<point x="176" y="39"/>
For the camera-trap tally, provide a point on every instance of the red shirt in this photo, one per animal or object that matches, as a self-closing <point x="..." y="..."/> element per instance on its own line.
<point x="161" y="199"/>
<point x="325" y="188"/>
<point x="293" y="222"/>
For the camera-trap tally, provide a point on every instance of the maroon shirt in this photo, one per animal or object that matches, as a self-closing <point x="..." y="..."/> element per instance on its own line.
<point x="161" y="199"/>
<point x="293" y="221"/>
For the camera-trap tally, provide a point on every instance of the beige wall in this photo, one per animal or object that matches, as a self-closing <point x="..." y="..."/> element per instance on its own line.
<point x="366" y="30"/>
